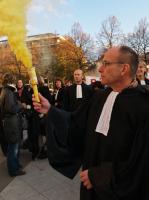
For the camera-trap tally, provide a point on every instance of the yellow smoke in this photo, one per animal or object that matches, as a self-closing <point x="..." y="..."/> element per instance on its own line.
<point x="13" y="25"/>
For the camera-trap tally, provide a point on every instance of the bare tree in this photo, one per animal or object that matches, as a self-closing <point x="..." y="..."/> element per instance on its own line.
<point x="83" y="40"/>
<point x="109" y="33"/>
<point x="139" y="39"/>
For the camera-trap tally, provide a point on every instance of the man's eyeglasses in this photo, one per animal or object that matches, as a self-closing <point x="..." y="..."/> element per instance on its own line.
<point x="105" y="63"/>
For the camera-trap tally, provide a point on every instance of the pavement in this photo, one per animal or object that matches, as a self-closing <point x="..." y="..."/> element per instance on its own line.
<point x="41" y="182"/>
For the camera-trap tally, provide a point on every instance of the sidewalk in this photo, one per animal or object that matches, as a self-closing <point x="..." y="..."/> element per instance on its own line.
<point x="41" y="182"/>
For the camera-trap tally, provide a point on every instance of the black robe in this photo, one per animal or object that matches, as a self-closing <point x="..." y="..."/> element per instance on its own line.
<point x="118" y="163"/>
<point x="146" y="81"/>
<point x="59" y="102"/>
<point x="71" y="103"/>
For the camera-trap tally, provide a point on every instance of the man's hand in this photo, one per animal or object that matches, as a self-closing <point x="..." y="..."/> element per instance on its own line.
<point x="43" y="106"/>
<point x="85" y="179"/>
<point x="24" y="105"/>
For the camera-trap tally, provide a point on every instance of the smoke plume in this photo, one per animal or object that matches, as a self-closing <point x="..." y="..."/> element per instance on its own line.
<point x="13" y="25"/>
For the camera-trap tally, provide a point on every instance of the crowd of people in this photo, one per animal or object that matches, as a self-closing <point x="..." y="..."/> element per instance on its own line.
<point x="18" y="114"/>
<point x="102" y="127"/>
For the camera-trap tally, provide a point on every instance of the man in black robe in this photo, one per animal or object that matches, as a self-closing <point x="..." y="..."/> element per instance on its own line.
<point x="112" y="139"/>
<point x="77" y="93"/>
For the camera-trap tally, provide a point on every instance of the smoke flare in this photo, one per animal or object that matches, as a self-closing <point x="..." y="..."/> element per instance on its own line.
<point x="13" y="25"/>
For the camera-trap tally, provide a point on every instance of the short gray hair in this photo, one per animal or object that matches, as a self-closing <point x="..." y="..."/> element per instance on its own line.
<point x="128" y="55"/>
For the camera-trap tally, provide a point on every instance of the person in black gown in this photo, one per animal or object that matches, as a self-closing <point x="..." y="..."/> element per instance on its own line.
<point x="77" y="93"/>
<point x="108" y="135"/>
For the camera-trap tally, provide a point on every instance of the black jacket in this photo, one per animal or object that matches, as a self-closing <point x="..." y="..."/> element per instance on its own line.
<point x="59" y="102"/>
<point x="71" y="103"/>
<point x="10" y="112"/>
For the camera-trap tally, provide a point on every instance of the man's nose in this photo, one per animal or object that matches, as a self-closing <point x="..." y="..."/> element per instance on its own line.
<point x="101" y="68"/>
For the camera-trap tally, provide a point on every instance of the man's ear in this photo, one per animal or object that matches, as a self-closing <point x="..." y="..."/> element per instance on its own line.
<point x="125" y="69"/>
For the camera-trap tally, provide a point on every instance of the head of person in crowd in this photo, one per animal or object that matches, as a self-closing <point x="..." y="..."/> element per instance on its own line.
<point x="78" y="76"/>
<point x="141" y="71"/>
<point x="147" y="72"/>
<point x="20" y="87"/>
<point x="9" y="79"/>
<point x="40" y="81"/>
<point x="45" y="81"/>
<point x="20" y="84"/>
<point x="68" y="82"/>
<point x="119" y="67"/>
<point x="96" y="85"/>
<point x="58" y="84"/>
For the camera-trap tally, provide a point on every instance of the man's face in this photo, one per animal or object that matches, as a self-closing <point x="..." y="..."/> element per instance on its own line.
<point x="78" y="76"/>
<point x="141" y="70"/>
<point x="19" y="84"/>
<point x="58" y="84"/>
<point x="111" y="68"/>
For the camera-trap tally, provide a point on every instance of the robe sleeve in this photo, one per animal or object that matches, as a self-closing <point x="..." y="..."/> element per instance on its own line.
<point x="65" y="138"/>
